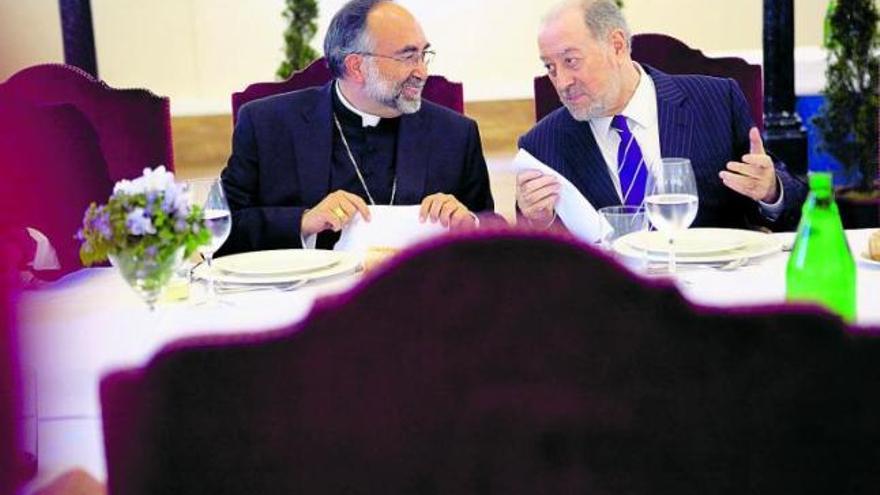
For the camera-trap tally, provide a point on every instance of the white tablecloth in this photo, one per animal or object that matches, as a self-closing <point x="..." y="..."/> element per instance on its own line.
<point x="91" y="322"/>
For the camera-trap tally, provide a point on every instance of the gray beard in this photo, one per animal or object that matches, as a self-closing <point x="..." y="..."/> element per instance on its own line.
<point x="381" y="91"/>
<point x="584" y="114"/>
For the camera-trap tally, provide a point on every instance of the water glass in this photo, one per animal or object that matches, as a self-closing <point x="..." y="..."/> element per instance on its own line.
<point x="621" y="220"/>
<point x="208" y="193"/>
<point x="671" y="199"/>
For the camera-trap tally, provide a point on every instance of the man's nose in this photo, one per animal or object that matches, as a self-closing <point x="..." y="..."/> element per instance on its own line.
<point x="563" y="79"/>
<point x="421" y="70"/>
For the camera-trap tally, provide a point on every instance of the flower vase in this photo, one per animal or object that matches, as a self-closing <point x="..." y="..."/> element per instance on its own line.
<point x="147" y="274"/>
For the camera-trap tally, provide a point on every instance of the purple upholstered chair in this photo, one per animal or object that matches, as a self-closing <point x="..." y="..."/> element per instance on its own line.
<point x="671" y="55"/>
<point x="437" y="89"/>
<point x="52" y="169"/>
<point x="133" y="125"/>
<point x="572" y="377"/>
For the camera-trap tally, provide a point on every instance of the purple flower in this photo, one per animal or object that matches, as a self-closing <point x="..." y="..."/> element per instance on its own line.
<point x="180" y="225"/>
<point x="175" y="201"/>
<point x="99" y="222"/>
<point x="151" y="251"/>
<point x="139" y="223"/>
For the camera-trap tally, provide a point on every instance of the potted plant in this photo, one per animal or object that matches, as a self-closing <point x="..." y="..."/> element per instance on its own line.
<point x="847" y="121"/>
<point x="301" y="28"/>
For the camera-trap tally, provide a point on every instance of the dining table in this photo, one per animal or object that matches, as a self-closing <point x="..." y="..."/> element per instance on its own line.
<point x="88" y="323"/>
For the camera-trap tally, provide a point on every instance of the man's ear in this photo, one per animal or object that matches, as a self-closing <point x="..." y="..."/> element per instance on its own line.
<point x="354" y="68"/>
<point x="617" y="40"/>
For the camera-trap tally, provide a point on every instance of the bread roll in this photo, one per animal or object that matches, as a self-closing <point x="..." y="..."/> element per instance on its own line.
<point x="874" y="246"/>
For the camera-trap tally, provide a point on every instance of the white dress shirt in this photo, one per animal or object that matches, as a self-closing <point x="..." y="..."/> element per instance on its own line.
<point x="641" y="117"/>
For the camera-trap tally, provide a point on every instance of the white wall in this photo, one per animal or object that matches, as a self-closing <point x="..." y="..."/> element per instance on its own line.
<point x="199" y="51"/>
<point x="30" y="33"/>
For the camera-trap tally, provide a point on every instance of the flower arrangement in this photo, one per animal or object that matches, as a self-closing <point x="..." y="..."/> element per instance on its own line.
<point x="150" y="216"/>
<point x="145" y="228"/>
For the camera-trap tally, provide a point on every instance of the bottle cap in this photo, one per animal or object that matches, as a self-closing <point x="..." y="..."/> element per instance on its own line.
<point x="820" y="181"/>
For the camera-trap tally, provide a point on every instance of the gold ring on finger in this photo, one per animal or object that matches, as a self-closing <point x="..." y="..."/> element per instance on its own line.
<point x="339" y="213"/>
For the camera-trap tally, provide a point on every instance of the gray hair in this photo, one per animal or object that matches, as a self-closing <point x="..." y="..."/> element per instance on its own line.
<point x="600" y="16"/>
<point x="348" y="34"/>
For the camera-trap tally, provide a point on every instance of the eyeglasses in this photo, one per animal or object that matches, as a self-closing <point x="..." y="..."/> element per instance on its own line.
<point x="411" y="59"/>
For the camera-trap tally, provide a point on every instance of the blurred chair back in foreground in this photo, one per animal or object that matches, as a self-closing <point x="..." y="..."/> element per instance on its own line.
<point x="437" y="88"/>
<point x="133" y="125"/>
<point x="504" y="364"/>
<point x="674" y="57"/>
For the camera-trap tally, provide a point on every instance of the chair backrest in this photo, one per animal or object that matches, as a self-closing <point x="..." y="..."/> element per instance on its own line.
<point x="572" y="378"/>
<point x="438" y="89"/>
<point x="52" y="169"/>
<point x="671" y="55"/>
<point x="133" y="125"/>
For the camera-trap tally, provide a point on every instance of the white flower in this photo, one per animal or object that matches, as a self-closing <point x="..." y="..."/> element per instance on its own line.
<point x="157" y="180"/>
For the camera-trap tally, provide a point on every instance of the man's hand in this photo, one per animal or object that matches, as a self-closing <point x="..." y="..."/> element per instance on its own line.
<point x="448" y="210"/>
<point x="536" y="196"/>
<point x="333" y="213"/>
<point x="755" y="176"/>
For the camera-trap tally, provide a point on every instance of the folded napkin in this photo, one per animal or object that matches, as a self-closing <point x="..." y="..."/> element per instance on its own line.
<point x="578" y="215"/>
<point x="389" y="227"/>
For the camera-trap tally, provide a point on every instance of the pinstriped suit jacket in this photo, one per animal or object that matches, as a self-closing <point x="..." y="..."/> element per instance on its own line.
<point x="702" y="118"/>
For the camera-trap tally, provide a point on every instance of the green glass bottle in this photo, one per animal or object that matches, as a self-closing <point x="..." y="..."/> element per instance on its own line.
<point x="821" y="268"/>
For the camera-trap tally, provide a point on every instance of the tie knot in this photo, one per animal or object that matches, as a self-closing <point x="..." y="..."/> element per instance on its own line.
<point x="618" y="122"/>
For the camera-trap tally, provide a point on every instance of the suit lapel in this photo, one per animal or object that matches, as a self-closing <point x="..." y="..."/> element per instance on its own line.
<point x="674" y="117"/>
<point x="587" y="165"/>
<point x="313" y="141"/>
<point x="413" y="158"/>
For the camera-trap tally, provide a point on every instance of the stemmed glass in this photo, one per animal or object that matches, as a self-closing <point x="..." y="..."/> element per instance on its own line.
<point x="671" y="199"/>
<point x="209" y="194"/>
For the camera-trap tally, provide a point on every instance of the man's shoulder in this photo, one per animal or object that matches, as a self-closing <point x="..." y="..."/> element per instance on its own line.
<point x="550" y="123"/>
<point x="694" y="85"/>
<point x="282" y="102"/>
<point x="443" y="116"/>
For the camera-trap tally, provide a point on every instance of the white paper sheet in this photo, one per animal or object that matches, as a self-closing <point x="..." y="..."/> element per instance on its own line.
<point x="389" y="226"/>
<point x="578" y="215"/>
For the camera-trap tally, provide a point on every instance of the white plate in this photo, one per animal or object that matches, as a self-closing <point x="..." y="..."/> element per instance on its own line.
<point x="864" y="258"/>
<point x="756" y="244"/>
<point x="277" y="262"/>
<point x="345" y="263"/>
<point x="697" y="241"/>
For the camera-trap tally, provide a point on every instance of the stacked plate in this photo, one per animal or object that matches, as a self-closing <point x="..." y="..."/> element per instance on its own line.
<point x="699" y="245"/>
<point x="281" y="266"/>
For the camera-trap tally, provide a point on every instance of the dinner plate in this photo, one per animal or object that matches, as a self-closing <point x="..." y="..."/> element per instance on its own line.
<point x="344" y="263"/>
<point x="756" y="244"/>
<point x="699" y="241"/>
<point x="278" y="262"/>
<point x="866" y="259"/>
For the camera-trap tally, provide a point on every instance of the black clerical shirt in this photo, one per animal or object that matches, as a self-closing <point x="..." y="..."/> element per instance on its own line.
<point x="374" y="149"/>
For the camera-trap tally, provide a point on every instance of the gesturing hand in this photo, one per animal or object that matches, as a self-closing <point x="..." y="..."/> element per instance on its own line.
<point x="755" y="176"/>
<point x="333" y="213"/>
<point x="448" y="210"/>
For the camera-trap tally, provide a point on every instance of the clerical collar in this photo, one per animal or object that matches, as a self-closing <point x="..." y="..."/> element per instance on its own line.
<point x="366" y="119"/>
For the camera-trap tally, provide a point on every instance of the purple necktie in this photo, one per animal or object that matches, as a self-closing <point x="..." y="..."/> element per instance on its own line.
<point x="630" y="164"/>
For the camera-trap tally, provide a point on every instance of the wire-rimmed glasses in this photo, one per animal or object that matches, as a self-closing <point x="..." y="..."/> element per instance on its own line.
<point x="410" y="58"/>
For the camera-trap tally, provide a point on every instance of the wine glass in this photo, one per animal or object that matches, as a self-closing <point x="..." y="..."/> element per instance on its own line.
<point x="209" y="194"/>
<point x="671" y="199"/>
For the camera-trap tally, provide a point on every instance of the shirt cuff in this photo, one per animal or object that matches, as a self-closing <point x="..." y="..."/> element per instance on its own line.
<point x="772" y="211"/>
<point x="308" y="241"/>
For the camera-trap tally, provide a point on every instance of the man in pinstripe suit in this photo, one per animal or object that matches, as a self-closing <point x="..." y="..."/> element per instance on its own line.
<point x="618" y="111"/>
